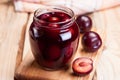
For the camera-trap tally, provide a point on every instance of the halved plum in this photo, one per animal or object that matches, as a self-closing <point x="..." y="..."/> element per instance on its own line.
<point x="82" y="66"/>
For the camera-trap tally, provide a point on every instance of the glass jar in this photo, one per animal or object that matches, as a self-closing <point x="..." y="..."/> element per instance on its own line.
<point x="54" y="37"/>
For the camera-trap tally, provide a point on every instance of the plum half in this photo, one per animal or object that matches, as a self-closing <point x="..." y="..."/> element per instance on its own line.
<point x="82" y="66"/>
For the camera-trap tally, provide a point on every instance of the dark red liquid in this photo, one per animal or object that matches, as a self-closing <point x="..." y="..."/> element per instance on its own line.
<point x="54" y="39"/>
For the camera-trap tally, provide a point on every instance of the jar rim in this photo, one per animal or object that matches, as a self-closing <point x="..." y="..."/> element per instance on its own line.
<point x="59" y="8"/>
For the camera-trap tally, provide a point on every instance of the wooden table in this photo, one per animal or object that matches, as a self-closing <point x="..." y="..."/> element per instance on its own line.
<point x="13" y="42"/>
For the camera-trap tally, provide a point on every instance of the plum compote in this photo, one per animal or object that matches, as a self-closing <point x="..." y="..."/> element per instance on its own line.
<point x="54" y="37"/>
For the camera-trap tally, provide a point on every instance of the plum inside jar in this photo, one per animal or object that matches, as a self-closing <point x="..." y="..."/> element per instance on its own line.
<point x="54" y="37"/>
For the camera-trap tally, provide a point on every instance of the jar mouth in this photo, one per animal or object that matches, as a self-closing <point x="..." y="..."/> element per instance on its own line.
<point x="63" y="9"/>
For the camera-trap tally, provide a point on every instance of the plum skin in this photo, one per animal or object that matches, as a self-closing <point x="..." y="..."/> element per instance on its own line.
<point x="84" y="22"/>
<point x="91" y="41"/>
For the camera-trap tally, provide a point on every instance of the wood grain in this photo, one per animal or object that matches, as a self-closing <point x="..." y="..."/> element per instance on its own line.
<point x="30" y="70"/>
<point x="108" y="66"/>
<point x="11" y="30"/>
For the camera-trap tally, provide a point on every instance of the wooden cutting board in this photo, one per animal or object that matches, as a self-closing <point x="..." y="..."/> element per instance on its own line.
<point x="30" y="70"/>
